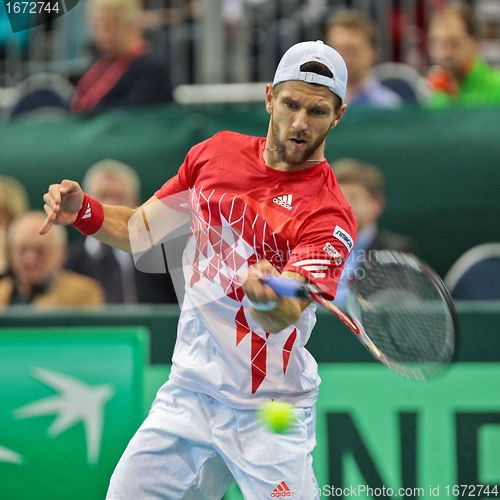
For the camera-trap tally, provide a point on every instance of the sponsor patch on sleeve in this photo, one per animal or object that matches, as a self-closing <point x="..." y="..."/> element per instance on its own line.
<point x="333" y="253"/>
<point x="344" y="237"/>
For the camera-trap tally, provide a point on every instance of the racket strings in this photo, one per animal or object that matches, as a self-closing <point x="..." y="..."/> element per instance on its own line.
<point x="405" y="315"/>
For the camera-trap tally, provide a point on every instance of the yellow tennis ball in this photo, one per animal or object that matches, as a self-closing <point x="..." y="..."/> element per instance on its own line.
<point x="277" y="416"/>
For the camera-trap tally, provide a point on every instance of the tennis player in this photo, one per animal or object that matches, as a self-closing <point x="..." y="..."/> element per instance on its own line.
<point x="246" y="346"/>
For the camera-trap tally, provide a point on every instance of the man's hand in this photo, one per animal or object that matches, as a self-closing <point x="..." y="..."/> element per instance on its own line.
<point x="287" y="310"/>
<point x="62" y="203"/>
<point x="253" y="287"/>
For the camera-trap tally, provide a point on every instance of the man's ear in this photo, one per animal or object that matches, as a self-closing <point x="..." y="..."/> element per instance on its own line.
<point x="269" y="98"/>
<point x="338" y="116"/>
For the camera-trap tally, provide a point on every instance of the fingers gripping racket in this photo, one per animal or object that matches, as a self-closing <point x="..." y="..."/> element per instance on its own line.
<point x="398" y="308"/>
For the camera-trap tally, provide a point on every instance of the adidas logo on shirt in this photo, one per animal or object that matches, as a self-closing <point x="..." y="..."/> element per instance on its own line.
<point x="282" y="490"/>
<point x="285" y="201"/>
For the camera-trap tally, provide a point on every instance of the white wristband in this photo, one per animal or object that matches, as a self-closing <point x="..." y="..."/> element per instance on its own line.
<point x="263" y="306"/>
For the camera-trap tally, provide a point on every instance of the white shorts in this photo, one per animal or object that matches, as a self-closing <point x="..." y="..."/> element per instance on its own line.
<point x="191" y="446"/>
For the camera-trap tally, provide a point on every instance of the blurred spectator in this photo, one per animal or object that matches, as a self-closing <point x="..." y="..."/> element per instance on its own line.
<point x="37" y="275"/>
<point x="115" y="183"/>
<point x="125" y="73"/>
<point x="363" y="187"/>
<point x="461" y="76"/>
<point x="13" y="203"/>
<point x="352" y="33"/>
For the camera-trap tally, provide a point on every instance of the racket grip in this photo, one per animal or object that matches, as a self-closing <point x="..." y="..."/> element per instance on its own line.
<point x="286" y="287"/>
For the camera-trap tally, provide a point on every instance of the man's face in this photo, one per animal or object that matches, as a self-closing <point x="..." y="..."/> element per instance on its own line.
<point x="111" y="32"/>
<point x="357" y="51"/>
<point x="112" y="189"/>
<point x="450" y="46"/>
<point x="301" y="117"/>
<point x="34" y="258"/>
<point x="366" y="207"/>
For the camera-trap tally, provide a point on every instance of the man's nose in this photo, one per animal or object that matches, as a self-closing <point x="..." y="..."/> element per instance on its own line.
<point x="301" y="120"/>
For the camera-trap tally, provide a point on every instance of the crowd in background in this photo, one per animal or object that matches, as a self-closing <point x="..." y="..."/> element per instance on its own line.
<point x="128" y="69"/>
<point x="126" y="52"/>
<point x="47" y="272"/>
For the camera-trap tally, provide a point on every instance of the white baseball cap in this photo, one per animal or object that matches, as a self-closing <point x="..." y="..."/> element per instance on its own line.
<point x="289" y="68"/>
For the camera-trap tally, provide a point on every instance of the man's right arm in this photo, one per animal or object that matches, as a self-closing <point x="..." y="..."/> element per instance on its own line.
<point x="114" y="229"/>
<point x="63" y="203"/>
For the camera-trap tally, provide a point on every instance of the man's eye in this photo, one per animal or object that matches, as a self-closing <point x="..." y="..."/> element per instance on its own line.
<point x="318" y="112"/>
<point x="291" y="105"/>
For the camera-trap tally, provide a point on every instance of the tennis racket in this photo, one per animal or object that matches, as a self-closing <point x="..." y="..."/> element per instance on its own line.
<point x="398" y="308"/>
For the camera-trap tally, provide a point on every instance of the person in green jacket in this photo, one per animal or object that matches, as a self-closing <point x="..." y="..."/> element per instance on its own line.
<point x="460" y="75"/>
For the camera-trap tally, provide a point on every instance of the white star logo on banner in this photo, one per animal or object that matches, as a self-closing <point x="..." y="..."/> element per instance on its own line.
<point x="10" y="456"/>
<point x="76" y="402"/>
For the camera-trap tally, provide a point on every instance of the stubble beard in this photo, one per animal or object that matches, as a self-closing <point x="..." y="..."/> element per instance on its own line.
<point x="280" y="148"/>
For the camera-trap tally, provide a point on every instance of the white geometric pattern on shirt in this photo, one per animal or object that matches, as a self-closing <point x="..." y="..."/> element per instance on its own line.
<point x="229" y="237"/>
<point x="226" y="241"/>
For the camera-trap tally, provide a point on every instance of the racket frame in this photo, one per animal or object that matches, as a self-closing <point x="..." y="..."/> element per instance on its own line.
<point x="310" y="292"/>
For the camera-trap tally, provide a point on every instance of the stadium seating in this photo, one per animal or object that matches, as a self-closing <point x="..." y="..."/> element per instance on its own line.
<point x="476" y="274"/>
